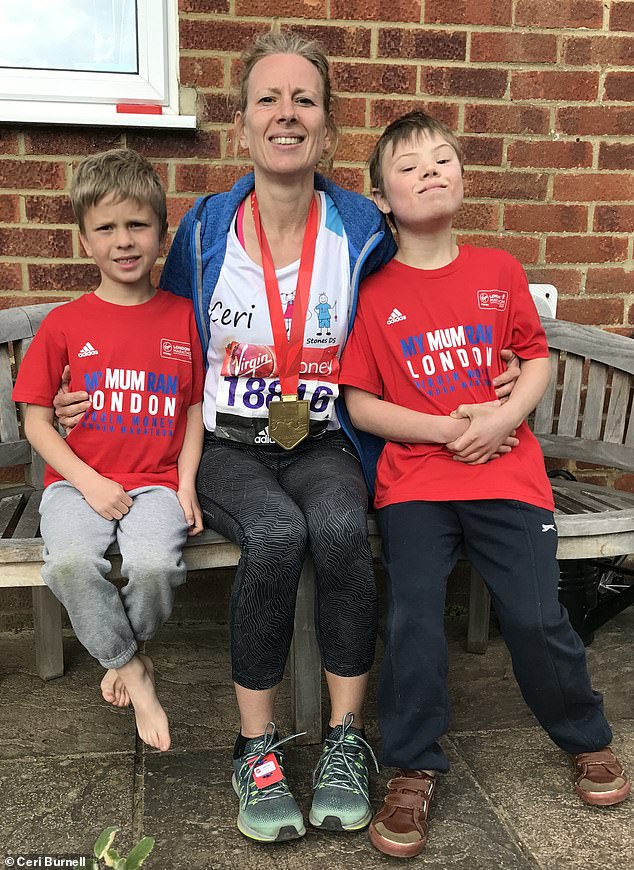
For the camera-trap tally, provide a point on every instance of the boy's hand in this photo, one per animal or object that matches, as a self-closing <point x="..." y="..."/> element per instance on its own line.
<point x="107" y="497"/>
<point x="487" y="437"/>
<point x="70" y="407"/>
<point x="505" y="382"/>
<point x="191" y="508"/>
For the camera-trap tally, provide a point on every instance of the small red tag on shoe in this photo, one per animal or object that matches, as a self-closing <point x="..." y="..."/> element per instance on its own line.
<point x="267" y="771"/>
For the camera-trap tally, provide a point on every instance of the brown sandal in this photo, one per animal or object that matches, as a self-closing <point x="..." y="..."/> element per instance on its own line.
<point x="400" y="826"/>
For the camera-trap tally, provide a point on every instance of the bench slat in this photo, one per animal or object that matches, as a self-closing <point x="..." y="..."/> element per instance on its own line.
<point x="29" y="523"/>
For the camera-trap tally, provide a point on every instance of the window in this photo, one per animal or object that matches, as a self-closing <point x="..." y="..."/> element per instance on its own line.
<point x="90" y="62"/>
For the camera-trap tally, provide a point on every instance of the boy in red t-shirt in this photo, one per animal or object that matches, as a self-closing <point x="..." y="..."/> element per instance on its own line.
<point x="419" y="367"/>
<point x="126" y="472"/>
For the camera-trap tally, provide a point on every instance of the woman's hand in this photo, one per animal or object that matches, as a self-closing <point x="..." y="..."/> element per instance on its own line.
<point x="505" y="382"/>
<point x="70" y="407"/>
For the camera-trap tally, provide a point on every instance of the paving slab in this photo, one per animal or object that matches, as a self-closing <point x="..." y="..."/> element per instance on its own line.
<point x="59" y="806"/>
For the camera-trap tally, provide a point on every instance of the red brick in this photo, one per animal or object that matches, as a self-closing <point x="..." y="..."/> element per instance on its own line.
<point x="591" y="187"/>
<point x="614" y="218"/>
<point x="49" y="210"/>
<point x="202" y="72"/>
<point x="630" y="316"/>
<point x="595" y="312"/>
<point x="505" y="185"/>
<point x="468" y="81"/>
<point x="349" y="111"/>
<point x="506" y="119"/>
<point x="543" y="218"/>
<point x="32" y="174"/>
<point x="176" y="208"/>
<point x="607" y="280"/>
<point x="203" y="5"/>
<point x="610" y="51"/>
<point x="504" y="47"/>
<point x="585" y="249"/>
<point x="281" y="8"/>
<point x="625" y="481"/>
<point x="616" y="156"/>
<point x="218" y="108"/>
<point x="596" y="120"/>
<point x="469" y="12"/>
<point x="561" y="155"/>
<point x="523" y="248"/>
<point x="375" y="10"/>
<point x="200" y="178"/>
<point x="619" y="86"/>
<point x="551" y="85"/>
<point x="351" y="179"/>
<point x="622" y="16"/>
<point x="382" y="112"/>
<point x="35" y="243"/>
<point x="9" y="208"/>
<point x="567" y="281"/>
<point x="202" y="35"/>
<point x="53" y="141"/>
<point x="8" y="141"/>
<point x="65" y="277"/>
<point x="10" y="276"/>
<point x="19" y="301"/>
<point x="481" y="150"/>
<point x="427" y="44"/>
<point x="355" y="147"/>
<point x="477" y="216"/>
<point x="559" y="13"/>
<point x="176" y="144"/>
<point x="338" y="41"/>
<point x="376" y="78"/>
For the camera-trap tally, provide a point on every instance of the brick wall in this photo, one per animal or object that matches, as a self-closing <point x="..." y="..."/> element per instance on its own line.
<point x="540" y="91"/>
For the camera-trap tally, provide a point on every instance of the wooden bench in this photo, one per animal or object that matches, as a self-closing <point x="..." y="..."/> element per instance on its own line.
<point x="592" y="521"/>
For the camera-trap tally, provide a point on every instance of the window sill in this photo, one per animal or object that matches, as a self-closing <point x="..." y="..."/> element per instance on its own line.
<point x="92" y="114"/>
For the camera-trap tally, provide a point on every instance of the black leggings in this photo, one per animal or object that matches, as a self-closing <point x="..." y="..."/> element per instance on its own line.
<point x="274" y="504"/>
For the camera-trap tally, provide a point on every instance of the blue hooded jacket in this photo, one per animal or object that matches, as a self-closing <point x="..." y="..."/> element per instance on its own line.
<point x="195" y="258"/>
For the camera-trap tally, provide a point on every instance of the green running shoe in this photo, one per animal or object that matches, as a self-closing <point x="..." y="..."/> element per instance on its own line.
<point x="270" y="813"/>
<point x="341" y="799"/>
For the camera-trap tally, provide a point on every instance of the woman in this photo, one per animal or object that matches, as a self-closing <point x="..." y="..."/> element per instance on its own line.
<point x="273" y="269"/>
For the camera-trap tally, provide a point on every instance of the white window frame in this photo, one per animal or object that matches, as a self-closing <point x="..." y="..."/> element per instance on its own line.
<point x="71" y="97"/>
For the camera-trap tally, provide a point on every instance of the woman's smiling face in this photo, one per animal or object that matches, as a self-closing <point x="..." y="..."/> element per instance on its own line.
<point x="284" y="127"/>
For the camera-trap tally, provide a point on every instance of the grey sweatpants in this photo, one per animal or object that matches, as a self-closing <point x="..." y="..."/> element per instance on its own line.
<point x="109" y="622"/>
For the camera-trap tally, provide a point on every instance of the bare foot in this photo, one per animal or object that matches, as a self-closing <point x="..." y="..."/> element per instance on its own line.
<point x="113" y="689"/>
<point x="151" y="721"/>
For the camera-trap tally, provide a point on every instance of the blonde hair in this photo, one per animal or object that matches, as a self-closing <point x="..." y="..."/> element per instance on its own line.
<point x="122" y="173"/>
<point x="404" y="129"/>
<point x="288" y="42"/>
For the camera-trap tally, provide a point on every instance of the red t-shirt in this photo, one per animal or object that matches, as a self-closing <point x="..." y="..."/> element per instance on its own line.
<point x="430" y="340"/>
<point x="142" y="365"/>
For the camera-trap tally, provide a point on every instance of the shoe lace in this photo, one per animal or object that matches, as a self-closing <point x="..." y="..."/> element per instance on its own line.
<point x="343" y="761"/>
<point x="248" y="789"/>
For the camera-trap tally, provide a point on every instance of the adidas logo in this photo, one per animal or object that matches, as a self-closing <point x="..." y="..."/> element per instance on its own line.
<point x="395" y="316"/>
<point x="263" y="437"/>
<point x="88" y="350"/>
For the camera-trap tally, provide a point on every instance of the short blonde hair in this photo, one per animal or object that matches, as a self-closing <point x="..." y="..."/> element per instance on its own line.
<point x="122" y="173"/>
<point x="288" y="42"/>
<point x="404" y="129"/>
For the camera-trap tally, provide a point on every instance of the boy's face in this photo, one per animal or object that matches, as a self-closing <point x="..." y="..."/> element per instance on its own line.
<point x="123" y="238"/>
<point x="422" y="183"/>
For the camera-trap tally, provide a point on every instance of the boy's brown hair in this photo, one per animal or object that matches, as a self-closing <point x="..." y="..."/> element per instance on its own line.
<point x="122" y="173"/>
<point x="403" y="129"/>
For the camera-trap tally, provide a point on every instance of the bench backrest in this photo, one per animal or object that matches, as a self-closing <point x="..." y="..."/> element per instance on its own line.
<point x="17" y="328"/>
<point x="586" y="412"/>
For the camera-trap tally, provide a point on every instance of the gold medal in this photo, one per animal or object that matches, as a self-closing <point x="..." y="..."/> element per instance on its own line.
<point x="289" y="421"/>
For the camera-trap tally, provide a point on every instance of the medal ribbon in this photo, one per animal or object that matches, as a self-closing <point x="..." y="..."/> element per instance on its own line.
<point x="288" y="350"/>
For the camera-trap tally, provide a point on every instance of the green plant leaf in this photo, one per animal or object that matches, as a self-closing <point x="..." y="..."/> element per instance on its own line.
<point x="139" y="853"/>
<point x="104" y="841"/>
<point x="112" y="858"/>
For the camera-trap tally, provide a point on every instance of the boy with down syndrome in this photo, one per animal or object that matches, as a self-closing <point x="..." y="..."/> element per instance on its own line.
<point x="126" y="472"/>
<point x="427" y="339"/>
